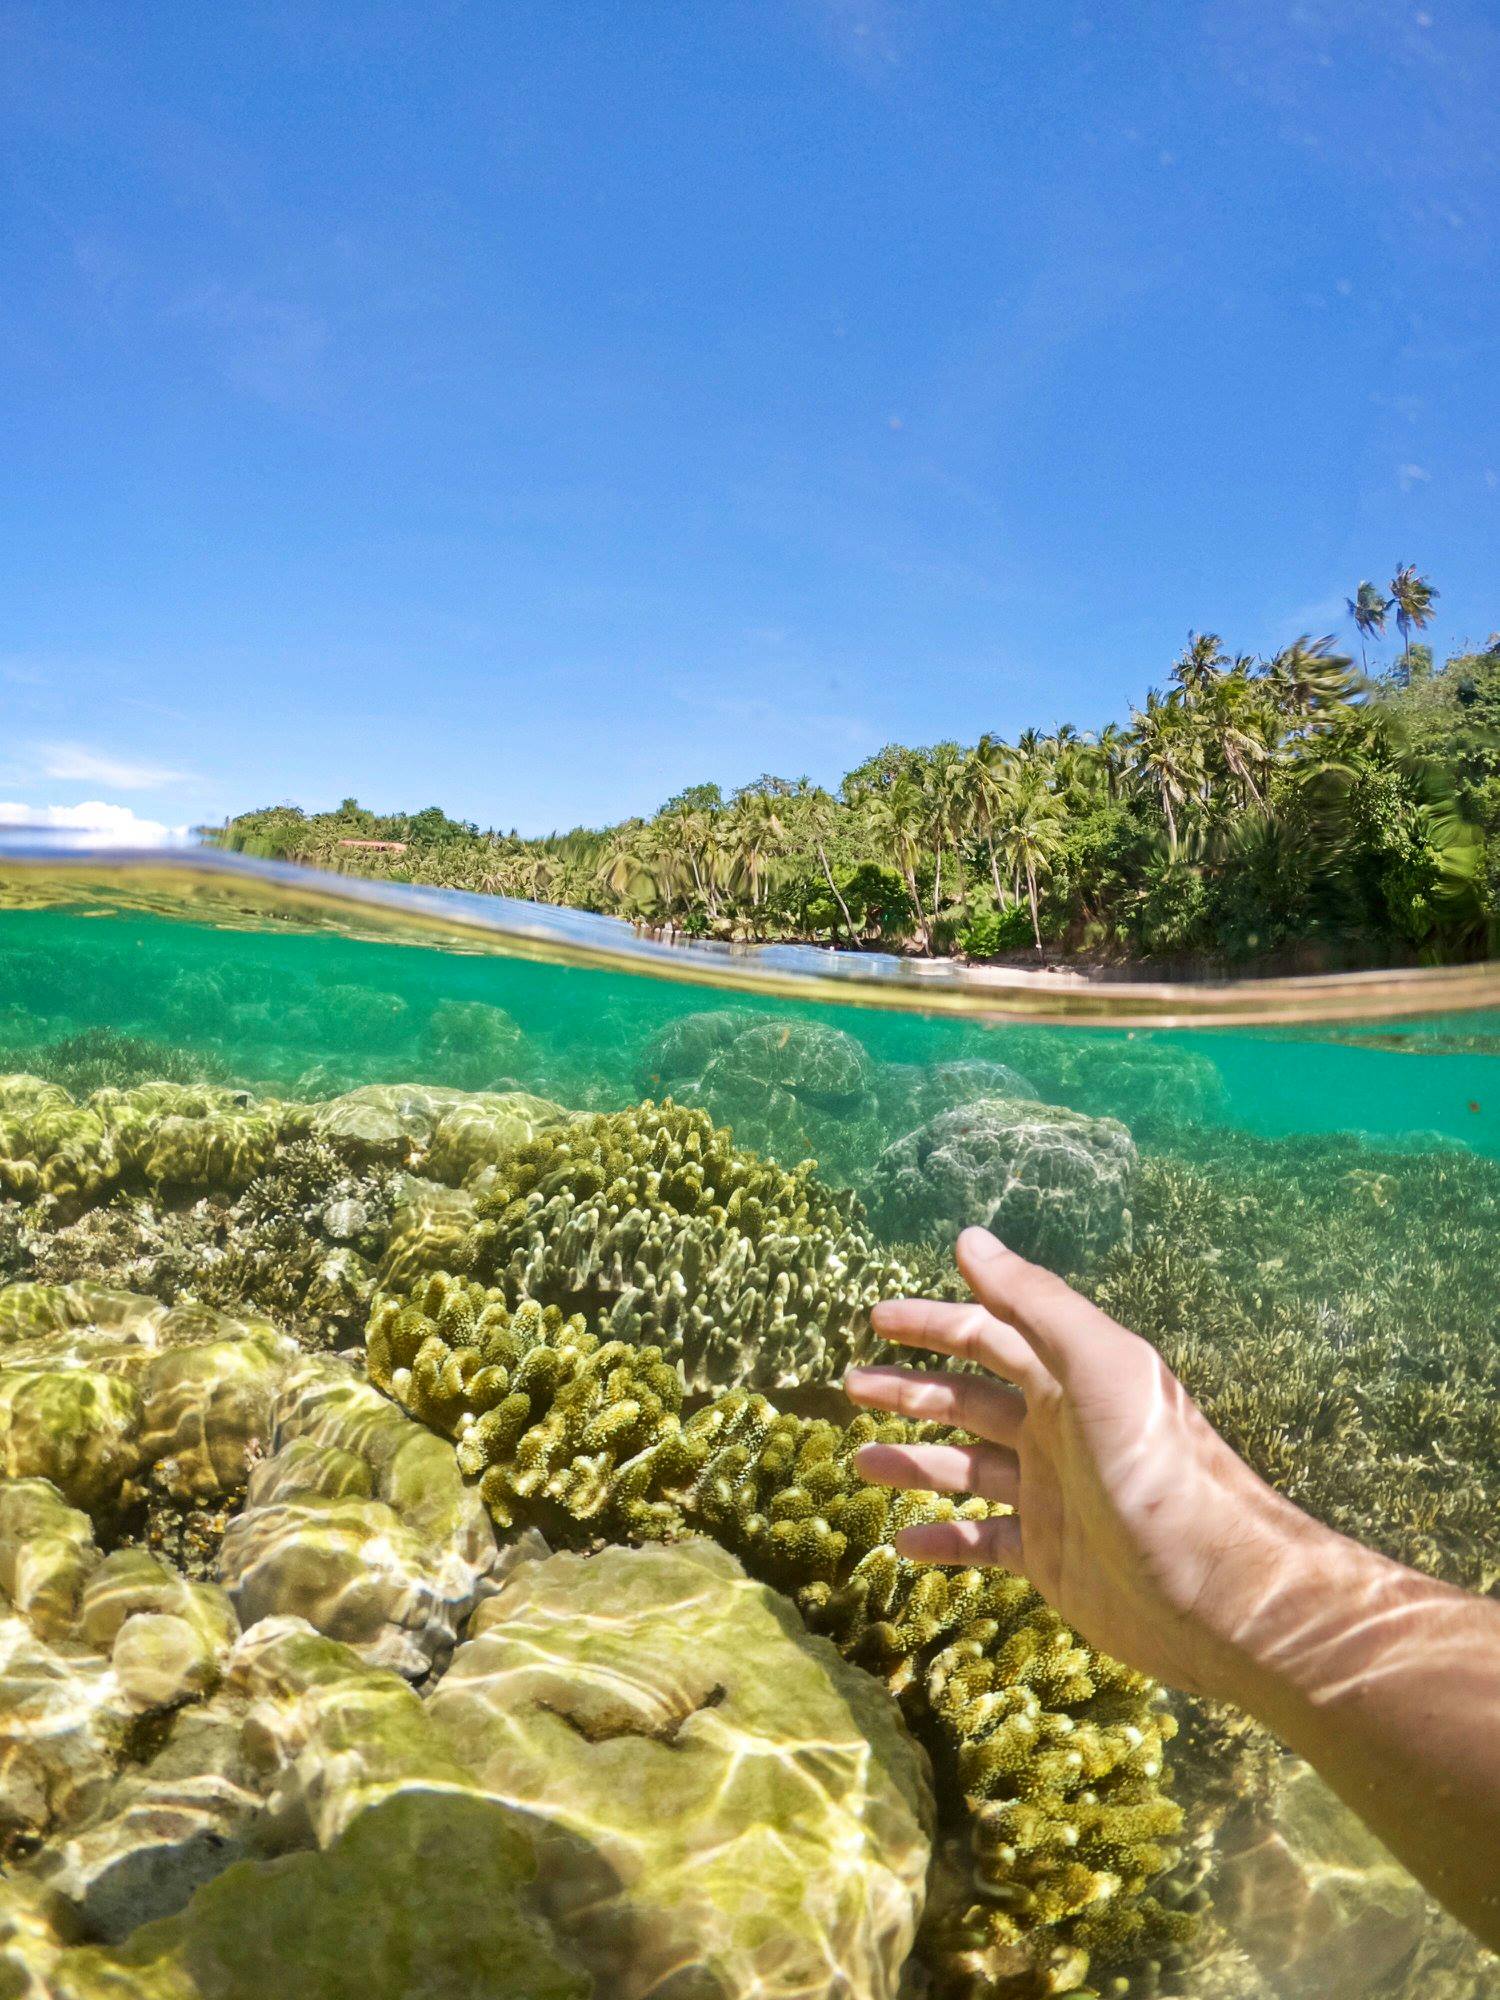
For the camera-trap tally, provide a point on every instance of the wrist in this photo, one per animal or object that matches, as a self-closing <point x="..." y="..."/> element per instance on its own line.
<point x="1276" y="1606"/>
<point x="1313" y="1616"/>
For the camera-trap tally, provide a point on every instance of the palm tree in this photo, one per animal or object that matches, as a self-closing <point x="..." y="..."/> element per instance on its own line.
<point x="1199" y="665"/>
<point x="1368" y="607"/>
<point x="1237" y="725"/>
<point x="1308" y="680"/>
<point x="1112" y="748"/>
<point x="1030" y="834"/>
<point x="990" y="769"/>
<point x="897" y="819"/>
<point x="1168" y="754"/>
<point x="1413" y="598"/>
<point x="756" y="832"/>
<point x="631" y="853"/>
<point x="943" y="785"/>
<point x="823" y="818"/>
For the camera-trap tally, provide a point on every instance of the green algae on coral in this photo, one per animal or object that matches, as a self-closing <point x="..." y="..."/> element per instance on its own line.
<point x="703" y="1781"/>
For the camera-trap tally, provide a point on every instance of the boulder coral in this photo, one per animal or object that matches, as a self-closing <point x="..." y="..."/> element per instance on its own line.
<point x="358" y="1521"/>
<point x="1053" y="1184"/>
<point x="703" y="1781"/>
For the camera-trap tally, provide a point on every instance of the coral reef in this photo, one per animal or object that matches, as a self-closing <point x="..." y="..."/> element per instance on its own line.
<point x="107" y="1395"/>
<point x="793" y="1089"/>
<point x="1362" y="1379"/>
<point x="359" y="1522"/>
<point x="1051" y="1183"/>
<point x="426" y="1896"/>
<point x="702" y="1780"/>
<point x="625" y="1282"/>
<point x="143" y="1808"/>
<point x="651" y="1219"/>
<point x="1056" y="1751"/>
<point x="471" y="1044"/>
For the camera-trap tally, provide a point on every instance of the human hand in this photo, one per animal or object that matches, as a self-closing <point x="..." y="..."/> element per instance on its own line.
<point x="1134" y="1518"/>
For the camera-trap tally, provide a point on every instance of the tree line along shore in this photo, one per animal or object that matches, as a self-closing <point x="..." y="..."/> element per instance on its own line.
<point x="1308" y="807"/>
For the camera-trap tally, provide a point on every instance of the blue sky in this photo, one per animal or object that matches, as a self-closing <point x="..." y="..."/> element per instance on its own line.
<point x="529" y="409"/>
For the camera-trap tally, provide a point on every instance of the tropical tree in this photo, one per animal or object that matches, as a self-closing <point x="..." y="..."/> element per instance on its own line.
<point x="1412" y="598"/>
<point x="989" y="773"/>
<point x="1308" y="680"/>
<point x="943" y="785"/>
<point x="1167" y="754"/>
<point x="896" y="819"/>
<point x="1200" y="663"/>
<point x="1369" y="608"/>
<point x="755" y="832"/>
<point x="823" y="819"/>
<point x="1237" y="724"/>
<point x="1031" y="832"/>
<point x="1112" y="747"/>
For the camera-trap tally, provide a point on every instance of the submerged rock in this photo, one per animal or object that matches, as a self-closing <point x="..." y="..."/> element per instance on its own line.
<point x="708" y="1786"/>
<point x="1052" y="1184"/>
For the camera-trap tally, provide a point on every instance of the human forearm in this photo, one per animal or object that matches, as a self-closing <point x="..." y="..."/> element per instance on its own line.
<point x="1388" y="1683"/>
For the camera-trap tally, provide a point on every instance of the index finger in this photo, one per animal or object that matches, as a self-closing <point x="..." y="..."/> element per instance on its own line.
<point x="966" y="1332"/>
<point x="1059" y="1325"/>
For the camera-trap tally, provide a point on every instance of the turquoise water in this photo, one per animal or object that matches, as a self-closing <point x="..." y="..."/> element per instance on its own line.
<point x="317" y="1010"/>
<point x="1301" y="1216"/>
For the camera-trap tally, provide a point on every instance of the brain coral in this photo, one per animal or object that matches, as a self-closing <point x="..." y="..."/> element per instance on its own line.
<point x="1056" y="1750"/>
<point x="653" y="1221"/>
<point x="702" y="1780"/>
<point x="1051" y="1183"/>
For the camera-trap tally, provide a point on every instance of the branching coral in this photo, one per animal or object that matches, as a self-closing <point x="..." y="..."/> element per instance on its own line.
<point x="1056" y="1750"/>
<point x="652" y="1220"/>
<point x="1363" y="1380"/>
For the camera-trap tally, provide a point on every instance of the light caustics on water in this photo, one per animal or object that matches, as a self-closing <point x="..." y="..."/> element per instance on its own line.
<point x="358" y="1241"/>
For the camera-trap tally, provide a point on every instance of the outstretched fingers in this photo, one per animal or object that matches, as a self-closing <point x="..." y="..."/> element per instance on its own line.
<point x="1055" y="1324"/>
<point x="985" y="1470"/>
<point x="966" y="1332"/>
<point x="966" y="1544"/>
<point x="969" y="1402"/>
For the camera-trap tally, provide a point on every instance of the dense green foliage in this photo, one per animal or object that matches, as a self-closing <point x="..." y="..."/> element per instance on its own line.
<point x="1256" y="807"/>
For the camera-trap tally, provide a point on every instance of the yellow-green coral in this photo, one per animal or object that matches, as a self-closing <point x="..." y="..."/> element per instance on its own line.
<point x="1056" y="1750"/>
<point x="653" y="1221"/>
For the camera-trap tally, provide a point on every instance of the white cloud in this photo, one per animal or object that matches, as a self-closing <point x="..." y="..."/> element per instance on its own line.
<point x="75" y="763"/>
<point x="94" y="824"/>
<point x="1413" y="475"/>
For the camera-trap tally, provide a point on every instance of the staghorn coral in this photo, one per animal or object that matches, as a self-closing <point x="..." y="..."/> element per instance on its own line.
<point x="652" y="1220"/>
<point x="1056" y="1750"/>
<point x="1363" y="1381"/>
<point x="100" y="1057"/>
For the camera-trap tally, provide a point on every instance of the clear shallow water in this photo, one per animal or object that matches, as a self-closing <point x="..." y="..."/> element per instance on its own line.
<point x="1300" y="1212"/>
